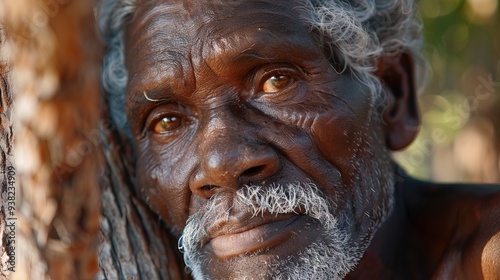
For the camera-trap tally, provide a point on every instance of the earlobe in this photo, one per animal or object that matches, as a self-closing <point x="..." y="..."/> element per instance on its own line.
<point x="401" y="118"/>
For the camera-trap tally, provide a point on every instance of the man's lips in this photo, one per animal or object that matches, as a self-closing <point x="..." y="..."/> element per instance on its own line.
<point x="255" y="236"/>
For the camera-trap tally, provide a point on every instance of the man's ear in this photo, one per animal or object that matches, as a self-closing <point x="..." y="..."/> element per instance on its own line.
<point x="401" y="118"/>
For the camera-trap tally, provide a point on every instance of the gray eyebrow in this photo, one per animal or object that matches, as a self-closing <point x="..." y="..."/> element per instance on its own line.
<point x="151" y="99"/>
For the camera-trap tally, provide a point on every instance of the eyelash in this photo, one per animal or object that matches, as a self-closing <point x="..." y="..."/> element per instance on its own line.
<point x="159" y="113"/>
<point x="160" y="117"/>
<point x="264" y="74"/>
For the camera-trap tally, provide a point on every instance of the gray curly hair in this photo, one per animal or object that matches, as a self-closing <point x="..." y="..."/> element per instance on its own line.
<point x="357" y="32"/>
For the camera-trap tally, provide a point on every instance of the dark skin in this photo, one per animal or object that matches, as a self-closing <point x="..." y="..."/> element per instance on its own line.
<point x="226" y="94"/>
<point x="437" y="231"/>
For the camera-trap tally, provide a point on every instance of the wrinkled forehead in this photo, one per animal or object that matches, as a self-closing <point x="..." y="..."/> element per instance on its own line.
<point x="192" y="13"/>
<point x="177" y="38"/>
<point x="179" y="23"/>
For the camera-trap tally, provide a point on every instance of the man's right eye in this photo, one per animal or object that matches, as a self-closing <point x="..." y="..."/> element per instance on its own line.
<point x="167" y="123"/>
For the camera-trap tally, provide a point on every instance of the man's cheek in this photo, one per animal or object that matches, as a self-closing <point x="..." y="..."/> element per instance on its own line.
<point x="339" y="130"/>
<point x="333" y="135"/>
<point x="158" y="189"/>
<point x="341" y="137"/>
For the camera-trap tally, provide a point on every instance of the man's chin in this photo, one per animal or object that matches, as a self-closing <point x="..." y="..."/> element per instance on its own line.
<point x="303" y="250"/>
<point x="259" y="240"/>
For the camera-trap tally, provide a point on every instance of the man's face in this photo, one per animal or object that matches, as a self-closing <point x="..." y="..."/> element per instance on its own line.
<point x="235" y="111"/>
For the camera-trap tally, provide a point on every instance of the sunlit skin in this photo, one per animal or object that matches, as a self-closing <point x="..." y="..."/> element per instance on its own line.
<point x="247" y="96"/>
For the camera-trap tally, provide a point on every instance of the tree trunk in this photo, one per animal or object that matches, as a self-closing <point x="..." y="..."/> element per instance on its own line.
<point x="135" y="244"/>
<point x="68" y="158"/>
<point x="55" y="57"/>
<point x="5" y="164"/>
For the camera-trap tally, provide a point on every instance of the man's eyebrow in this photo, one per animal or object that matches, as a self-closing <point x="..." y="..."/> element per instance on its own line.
<point x="146" y="97"/>
<point x="156" y="96"/>
<point x="153" y="100"/>
<point x="251" y="54"/>
<point x="295" y="50"/>
<point x="143" y="100"/>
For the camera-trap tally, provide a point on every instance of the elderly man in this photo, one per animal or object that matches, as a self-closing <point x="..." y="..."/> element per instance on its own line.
<point x="262" y="132"/>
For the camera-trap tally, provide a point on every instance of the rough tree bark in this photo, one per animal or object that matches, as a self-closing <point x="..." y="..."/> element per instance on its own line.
<point x="6" y="158"/>
<point x="135" y="245"/>
<point x="60" y="139"/>
<point x="55" y="57"/>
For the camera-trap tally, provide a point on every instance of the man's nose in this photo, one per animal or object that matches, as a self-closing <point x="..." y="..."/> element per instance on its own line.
<point x="230" y="161"/>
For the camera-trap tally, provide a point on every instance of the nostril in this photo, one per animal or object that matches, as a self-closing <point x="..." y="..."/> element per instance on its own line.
<point x="207" y="188"/>
<point x="253" y="171"/>
<point x="206" y="191"/>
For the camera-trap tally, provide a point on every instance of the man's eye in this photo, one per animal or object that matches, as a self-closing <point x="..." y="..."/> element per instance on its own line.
<point x="276" y="83"/>
<point x="167" y="123"/>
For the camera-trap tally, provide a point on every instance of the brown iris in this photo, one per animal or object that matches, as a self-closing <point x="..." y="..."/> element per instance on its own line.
<point x="167" y="124"/>
<point x="276" y="83"/>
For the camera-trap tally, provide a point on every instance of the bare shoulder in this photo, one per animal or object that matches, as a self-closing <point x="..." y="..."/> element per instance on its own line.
<point x="469" y="217"/>
<point x="488" y="236"/>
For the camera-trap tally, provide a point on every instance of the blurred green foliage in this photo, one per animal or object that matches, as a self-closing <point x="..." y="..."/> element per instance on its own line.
<point x="460" y="105"/>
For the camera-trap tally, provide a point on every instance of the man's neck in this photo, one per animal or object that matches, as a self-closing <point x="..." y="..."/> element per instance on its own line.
<point x="395" y="248"/>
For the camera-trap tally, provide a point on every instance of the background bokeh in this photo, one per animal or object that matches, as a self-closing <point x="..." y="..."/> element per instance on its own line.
<point x="460" y="105"/>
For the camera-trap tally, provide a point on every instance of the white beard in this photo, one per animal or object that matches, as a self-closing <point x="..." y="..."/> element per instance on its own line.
<point x="332" y="259"/>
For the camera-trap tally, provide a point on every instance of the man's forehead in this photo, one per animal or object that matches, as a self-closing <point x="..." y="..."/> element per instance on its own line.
<point x="186" y="13"/>
<point x="176" y="33"/>
<point x="192" y="7"/>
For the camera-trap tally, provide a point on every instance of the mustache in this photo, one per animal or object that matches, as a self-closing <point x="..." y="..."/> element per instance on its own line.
<point x="297" y="198"/>
<point x="301" y="198"/>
